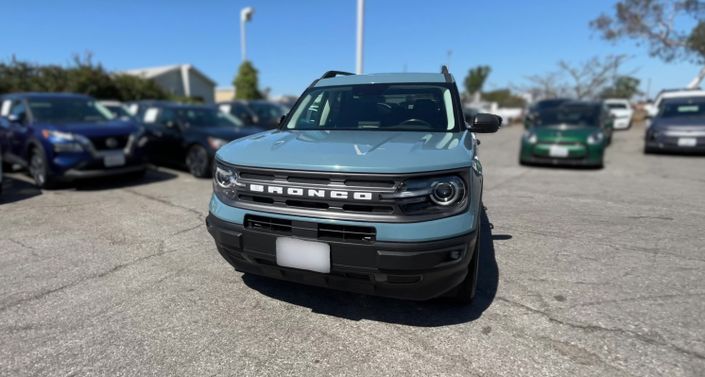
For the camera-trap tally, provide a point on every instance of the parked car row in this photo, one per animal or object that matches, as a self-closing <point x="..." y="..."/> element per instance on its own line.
<point x="59" y="136"/>
<point x="566" y="132"/>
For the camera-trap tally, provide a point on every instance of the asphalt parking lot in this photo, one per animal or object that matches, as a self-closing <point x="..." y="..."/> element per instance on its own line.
<point x="585" y="273"/>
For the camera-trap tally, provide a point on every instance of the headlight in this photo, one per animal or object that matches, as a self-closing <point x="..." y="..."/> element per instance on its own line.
<point x="216" y="143"/>
<point x="447" y="191"/>
<point x="530" y="137"/>
<point x="225" y="177"/>
<point x="440" y="194"/>
<point x="64" y="141"/>
<point x="596" y="138"/>
<point x="225" y="182"/>
<point x="58" y="135"/>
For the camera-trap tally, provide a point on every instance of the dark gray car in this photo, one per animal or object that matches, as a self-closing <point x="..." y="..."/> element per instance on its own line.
<point x="679" y="126"/>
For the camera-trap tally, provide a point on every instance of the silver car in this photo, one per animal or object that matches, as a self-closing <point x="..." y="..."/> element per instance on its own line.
<point x="679" y="126"/>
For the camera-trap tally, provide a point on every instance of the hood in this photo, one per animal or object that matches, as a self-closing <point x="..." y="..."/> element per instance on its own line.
<point x="563" y="132"/>
<point x="695" y="126"/>
<point x="97" y="129"/>
<point x="228" y="133"/>
<point x="352" y="151"/>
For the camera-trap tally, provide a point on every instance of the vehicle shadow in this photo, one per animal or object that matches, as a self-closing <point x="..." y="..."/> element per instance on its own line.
<point x="152" y="175"/>
<point x="15" y="190"/>
<point x="433" y="313"/>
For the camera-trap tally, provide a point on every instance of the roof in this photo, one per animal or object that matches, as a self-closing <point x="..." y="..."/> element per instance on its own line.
<point x="382" y="78"/>
<point x="152" y="72"/>
<point x="682" y="93"/>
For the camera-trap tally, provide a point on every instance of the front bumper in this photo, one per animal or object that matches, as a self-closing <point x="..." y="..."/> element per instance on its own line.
<point x="86" y="165"/>
<point x="671" y="146"/>
<point x="96" y="173"/>
<point x="588" y="155"/>
<point x="622" y="123"/>
<point x="405" y="270"/>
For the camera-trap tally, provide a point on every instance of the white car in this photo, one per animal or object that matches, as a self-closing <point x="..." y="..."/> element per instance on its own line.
<point x="622" y="111"/>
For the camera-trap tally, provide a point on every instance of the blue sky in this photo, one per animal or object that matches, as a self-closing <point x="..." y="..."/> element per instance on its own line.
<point x="293" y="42"/>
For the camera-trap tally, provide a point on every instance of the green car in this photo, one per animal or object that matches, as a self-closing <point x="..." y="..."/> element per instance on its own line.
<point x="574" y="134"/>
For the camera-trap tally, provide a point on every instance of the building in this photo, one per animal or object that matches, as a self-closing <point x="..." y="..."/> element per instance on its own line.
<point x="224" y="94"/>
<point x="182" y="80"/>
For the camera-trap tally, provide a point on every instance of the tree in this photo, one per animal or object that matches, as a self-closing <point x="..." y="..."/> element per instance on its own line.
<point x="504" y="98"/>
<point x="583" y="80"/>
<point x="654" y="23"/>
<point x="475" y="80"/>
<point x="623" y="87"/>
<point x="547" y="85"/>
<point x="246" y="85"/>
<point x="133" y="88"/>
<point x="588" y="79"/>
<point x="83" y="76"/>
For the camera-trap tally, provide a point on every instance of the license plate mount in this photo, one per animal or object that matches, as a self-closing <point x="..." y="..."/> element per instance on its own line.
<point x="114" y="159"/>
<point x="302" y="254"/>
<point x="558" y="151"/>
<point x="687" y="142"/>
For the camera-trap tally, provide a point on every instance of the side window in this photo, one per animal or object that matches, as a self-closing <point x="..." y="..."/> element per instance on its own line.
<point x="311" y="113"/>
<point x="18" y="109"/>
<point x="166" y="115"/>
<point x="150" y="115"/>
<point x="5" y="107"/>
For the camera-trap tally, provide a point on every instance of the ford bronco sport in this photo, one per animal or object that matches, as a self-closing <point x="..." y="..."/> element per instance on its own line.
<point x="371" y="184"/>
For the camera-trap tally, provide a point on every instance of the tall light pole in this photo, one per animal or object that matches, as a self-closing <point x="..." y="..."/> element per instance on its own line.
<point x="245" y="16"/>
<point x="360" y="31"/>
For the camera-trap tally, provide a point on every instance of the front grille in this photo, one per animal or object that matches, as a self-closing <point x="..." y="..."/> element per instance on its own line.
<point x="312" y="194"/>
<point x="109" y="142"/>
<point x="326" y="232"/>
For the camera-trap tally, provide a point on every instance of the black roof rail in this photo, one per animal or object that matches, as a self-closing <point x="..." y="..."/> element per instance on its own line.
<point x="444" y="71"/>
<point x="330" y="74"/>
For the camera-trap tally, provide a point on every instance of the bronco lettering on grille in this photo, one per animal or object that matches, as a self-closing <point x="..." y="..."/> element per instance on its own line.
<point x="310" y="193"/>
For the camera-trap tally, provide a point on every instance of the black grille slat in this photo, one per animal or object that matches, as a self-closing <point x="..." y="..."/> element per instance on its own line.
<point x="101" y="143"/>
<point x="322" y="231"/>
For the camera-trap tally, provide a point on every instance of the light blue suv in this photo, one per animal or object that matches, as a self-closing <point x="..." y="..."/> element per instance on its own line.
<point x="371" y="184"/>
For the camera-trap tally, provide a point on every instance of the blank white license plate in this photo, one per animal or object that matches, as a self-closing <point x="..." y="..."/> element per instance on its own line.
<point x="687" y="142"/>
<point x="114" y="159"/>
<point x="558" y="151"/>
<point x="304" y="255"/>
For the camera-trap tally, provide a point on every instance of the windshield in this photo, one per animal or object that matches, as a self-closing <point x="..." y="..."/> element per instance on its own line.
<point x="68" y="110"/>
<point x="683" y="109"/>
<point x="118" y="111"/>
<point x="616" y="106"/>
<point x="548" y="104"/>
<point x="267" y="111"/>
<point x="570" y="115"/>
<point x="205" y="117"/>
<point x="383" y="107"/>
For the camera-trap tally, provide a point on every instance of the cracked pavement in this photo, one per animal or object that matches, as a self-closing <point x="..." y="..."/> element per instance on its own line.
<point x="585" y="273"/>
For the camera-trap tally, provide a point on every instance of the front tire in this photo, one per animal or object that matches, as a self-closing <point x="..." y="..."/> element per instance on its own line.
<point x="465" y="292"/>
<point x="39" y="169"/>
<point x="198" y="162"/>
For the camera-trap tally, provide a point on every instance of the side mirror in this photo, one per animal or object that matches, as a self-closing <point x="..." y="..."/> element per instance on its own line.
<point x="16" y="118"/>
<point x="282" y="119"/>
<point x="485" y="123"/>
